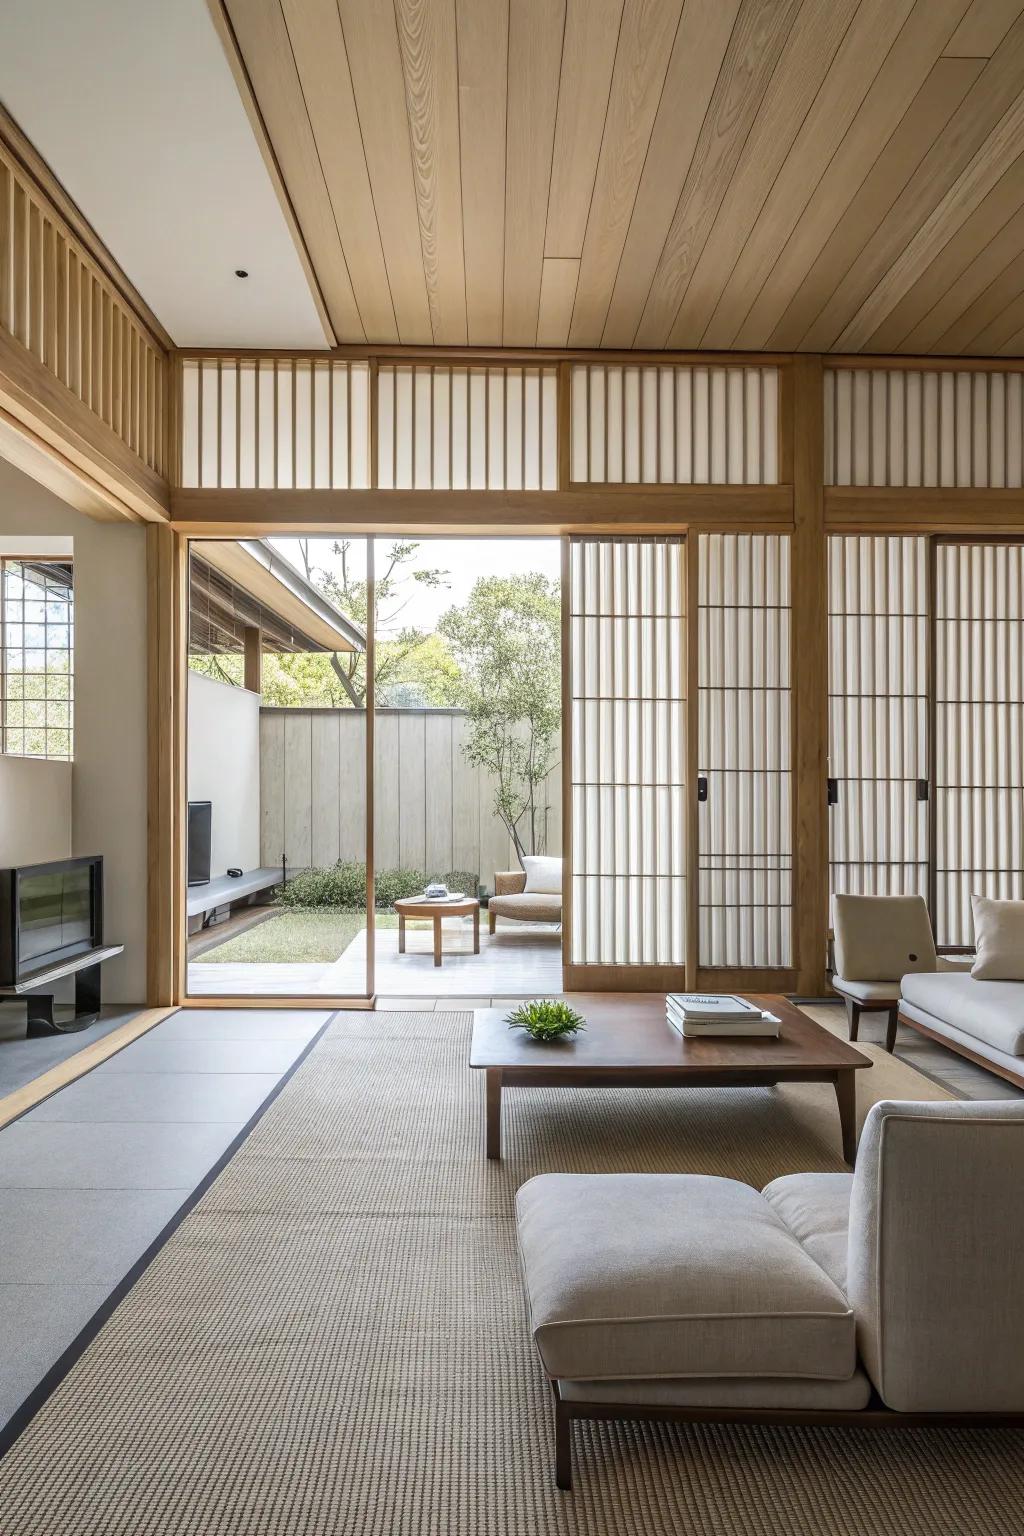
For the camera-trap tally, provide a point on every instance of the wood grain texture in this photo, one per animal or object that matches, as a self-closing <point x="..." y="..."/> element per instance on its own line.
<point x="645" y="41"/>
<point x="483" y="86"/>
<point x="726" y="173"/>
<point x="755" y="46"/>
<point x="927" y="115"/>
<point x="588" y="57"/>
<point x="371" y="38"/>
<point x="318" y="45"/>
<point x="534" y="60"/>
<point x="426" y="33"/>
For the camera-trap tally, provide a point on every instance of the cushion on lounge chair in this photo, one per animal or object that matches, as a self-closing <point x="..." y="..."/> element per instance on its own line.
<point x="527" y="907"/>
<point x="655" y="1275"/>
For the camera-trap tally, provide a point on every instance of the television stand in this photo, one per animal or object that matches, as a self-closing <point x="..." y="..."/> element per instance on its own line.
<point x="86" y="971"/>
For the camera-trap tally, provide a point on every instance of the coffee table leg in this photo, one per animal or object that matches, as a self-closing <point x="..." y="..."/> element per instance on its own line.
<point x="437" y="941"/>
<point x="401" y="934"/>
<point x="493" y="1112"/>
<point x="846" y="1097"/>
<point x="476" y="931"/>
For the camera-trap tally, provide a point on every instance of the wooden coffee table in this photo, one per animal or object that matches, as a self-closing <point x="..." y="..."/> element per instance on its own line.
<point x="629" y="1043"/>
<point x="419" y="906"/>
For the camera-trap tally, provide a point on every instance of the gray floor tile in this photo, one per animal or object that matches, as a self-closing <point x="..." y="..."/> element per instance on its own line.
<point x="152" y="1054"/>
<point x="79" y="1236"/>
<point x="37" y="1323"/>
<point x="159" y="1097"/>
<point x="280" y="1024"/>
<point x="77" y="1156"/>
<point x="22" y="1061"/>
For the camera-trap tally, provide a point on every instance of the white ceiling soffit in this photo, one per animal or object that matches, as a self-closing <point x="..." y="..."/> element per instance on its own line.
<point x="133" y="105"/>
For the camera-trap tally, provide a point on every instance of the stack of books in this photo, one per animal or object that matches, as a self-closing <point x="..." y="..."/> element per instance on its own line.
<point x="700" y="1015"/>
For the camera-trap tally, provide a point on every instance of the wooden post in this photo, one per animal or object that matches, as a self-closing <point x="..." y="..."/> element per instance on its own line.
<point x="810" y="676"/>
<point x="166" y="586"/>
<point x="253" y="640"/>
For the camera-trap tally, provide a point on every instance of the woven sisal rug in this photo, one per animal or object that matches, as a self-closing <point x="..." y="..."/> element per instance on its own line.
<point x="333" y="1341"/>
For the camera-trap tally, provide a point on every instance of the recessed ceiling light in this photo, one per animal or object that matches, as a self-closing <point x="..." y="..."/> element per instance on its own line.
<point x="241" y="272"/>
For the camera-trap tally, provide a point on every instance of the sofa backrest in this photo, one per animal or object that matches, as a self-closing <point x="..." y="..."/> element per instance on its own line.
<point x="881" y="938"/>
<point x="936" y="1255"/>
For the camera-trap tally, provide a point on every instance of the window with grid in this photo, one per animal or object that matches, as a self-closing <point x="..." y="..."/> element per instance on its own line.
<point x="36" y="657"/>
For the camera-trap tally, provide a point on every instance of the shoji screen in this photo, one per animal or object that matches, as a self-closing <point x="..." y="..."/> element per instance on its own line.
<point x="627" y="671"/>
<point x="674" y="424"/>
<point x="979" y="745"/>
<point x="447" y="428"/>
<point x="745" y="824"/>
<point x="282" y="423"/>
<point x="878" y="714"/>
<point x="924" y="426"/>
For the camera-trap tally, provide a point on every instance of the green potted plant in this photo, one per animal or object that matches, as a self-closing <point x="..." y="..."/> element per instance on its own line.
<point x="545" y="1021"/>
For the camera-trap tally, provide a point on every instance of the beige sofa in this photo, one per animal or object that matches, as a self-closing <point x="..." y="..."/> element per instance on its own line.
<point x="511" y="899"/>
<point x="891" y="1296"/>
<point x="982" y="1020"/>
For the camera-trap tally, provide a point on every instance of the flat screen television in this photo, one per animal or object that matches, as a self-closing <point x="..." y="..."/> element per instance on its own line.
<point x="48" y="913"/>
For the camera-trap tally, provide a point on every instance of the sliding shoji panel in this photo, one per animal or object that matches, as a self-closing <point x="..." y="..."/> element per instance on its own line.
<point x="280" y="423"/>
<point x="926" y="427"/>
<point x="878" y="714"/>
<point x="62" y="308"/>
<point x="674" y="424"/>
<point x="744" y="751"/>
<point x="450" y="428"/>
<point x="979" y="730"/>
<point x="627" y="671"/>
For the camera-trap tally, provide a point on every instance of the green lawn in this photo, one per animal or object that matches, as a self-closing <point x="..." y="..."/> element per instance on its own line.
<point x="296" y="935"/>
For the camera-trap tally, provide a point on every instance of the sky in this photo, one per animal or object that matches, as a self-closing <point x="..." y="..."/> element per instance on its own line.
<point x="463" y="559"/>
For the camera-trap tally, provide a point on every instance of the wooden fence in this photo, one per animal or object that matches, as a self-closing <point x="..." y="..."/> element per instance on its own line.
<point x="433" y="810"/>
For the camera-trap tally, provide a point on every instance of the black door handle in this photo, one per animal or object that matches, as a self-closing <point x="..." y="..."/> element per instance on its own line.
<point x="702" y="788"/>
<point x="832" y="791"/>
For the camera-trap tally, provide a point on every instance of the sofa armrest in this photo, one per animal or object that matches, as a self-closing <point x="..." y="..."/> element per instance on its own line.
<point x="510" y="882"/>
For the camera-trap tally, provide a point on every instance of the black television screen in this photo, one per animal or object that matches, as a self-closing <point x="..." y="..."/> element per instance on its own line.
<point x="48" y="913"/>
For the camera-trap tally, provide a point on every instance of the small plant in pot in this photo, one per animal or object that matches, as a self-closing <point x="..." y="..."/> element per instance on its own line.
<point x="546" y="1021"/>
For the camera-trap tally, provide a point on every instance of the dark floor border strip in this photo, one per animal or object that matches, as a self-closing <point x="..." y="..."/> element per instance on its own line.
<point x="23" y="1416"/>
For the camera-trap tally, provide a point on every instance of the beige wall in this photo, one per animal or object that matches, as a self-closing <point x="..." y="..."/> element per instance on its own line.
<point x="224" y="768"/>
<point x="108" y="777"/>
<point x="35" y="811"/>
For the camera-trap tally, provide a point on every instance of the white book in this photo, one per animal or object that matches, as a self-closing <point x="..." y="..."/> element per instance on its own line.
<point x="766" y="1028"/>
<point x="711" y="1005"/>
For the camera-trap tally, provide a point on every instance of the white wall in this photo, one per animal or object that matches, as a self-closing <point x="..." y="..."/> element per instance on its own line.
<point x="224" y="767"/>
<point x="35" y="811"/>
<point x="108" y="777"/>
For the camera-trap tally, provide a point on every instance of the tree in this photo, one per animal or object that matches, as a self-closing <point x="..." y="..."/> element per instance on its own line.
<point x="506" y="643"/>
<point x="396" y="643"/>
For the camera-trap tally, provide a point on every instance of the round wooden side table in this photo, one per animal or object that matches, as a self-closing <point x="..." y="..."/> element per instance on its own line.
<point x="419" y="906"/>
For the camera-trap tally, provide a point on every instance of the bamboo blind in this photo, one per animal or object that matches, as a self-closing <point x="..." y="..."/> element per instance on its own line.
<point x="924" y="427"/>
<point x="744" y="751"/>
<point x="878" y="714"/>
<point x="674" y="424"/>
<point x="979" y="730"/>
<point x="627" y="669"/>
<point x="280" y="423"/>
<point x="443" y="427"/>
<point x="57" y="303"/>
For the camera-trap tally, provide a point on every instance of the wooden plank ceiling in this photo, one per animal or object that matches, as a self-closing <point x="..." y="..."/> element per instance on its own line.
<point x="818" y="175"/>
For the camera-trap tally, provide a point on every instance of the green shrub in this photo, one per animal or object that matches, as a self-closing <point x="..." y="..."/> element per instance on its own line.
<point x="460" y="880"/>
<point x="343" y="887"/>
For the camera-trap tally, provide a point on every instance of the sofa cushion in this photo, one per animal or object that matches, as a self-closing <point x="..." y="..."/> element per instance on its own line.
<point x="654" y="1275"/>
<point x="881" y="938"/>
<point x="992" y="1011"/>
<point x="528" y="908"/>
<point x="999" y="937"/>
<point x="543" y="875"/>
<point x="816" y="1209"/>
